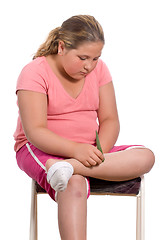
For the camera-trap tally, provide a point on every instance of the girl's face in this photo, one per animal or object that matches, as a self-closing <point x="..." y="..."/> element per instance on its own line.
<point x="77" y="63"/>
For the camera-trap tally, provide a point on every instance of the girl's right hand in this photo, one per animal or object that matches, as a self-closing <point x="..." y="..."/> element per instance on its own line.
<point x="88" y="154"/>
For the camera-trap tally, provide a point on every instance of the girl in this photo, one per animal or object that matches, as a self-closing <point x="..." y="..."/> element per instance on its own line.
<point x="61" y="94"/>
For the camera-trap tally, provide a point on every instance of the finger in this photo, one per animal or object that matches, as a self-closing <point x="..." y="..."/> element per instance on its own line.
<point x="87" y="164"/>
<point x="92" y="162"/>
<point x="96" y="159"/>
<point x="99" y="154"/>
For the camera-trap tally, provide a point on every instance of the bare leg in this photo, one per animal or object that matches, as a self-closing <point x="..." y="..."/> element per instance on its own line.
<point x="121" y="165"/>
<point x="118" y="166"/>
<point x="72" y="209"/>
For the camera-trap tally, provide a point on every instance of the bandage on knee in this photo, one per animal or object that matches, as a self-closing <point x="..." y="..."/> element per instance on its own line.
<point x="59" y="174"/>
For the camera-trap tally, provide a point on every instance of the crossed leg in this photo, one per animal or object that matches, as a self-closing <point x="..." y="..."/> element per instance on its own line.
<point x="118" y="166"/>
<point x="72" y="203"/>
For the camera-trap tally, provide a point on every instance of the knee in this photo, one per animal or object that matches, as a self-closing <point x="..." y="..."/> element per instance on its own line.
<point x="148" y="159"/>
<point x="77" y="186"/>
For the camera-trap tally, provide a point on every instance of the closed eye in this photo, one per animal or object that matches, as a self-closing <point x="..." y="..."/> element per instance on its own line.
<point x="82" y="58"/>
<point x="95" y="59"/>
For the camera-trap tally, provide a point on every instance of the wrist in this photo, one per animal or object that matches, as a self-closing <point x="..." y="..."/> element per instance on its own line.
<point x="72" y="149"/>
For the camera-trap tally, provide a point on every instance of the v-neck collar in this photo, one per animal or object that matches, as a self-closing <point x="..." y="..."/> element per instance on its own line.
<point x="60" y="84"/>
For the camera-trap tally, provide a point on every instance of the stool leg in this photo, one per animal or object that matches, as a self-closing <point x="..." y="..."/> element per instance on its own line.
<point x="140" y="220"/>
<point x="33" y="214"/>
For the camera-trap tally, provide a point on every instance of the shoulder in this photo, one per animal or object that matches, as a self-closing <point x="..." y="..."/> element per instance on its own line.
<point x="33" y="76"/>
<point x="101" y="64"/>
<point x="36" y="65"/>
<point x="102" y="73"/>
<point x="101" y="67"/>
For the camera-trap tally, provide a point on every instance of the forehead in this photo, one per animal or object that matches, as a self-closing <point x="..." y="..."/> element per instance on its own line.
<point x="89" y="49"/>
<point x="90" y="46"/>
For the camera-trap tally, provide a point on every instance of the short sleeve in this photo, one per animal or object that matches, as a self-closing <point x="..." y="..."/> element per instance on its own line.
<point x="32" y="77"/>
<point x="103" y="73"/>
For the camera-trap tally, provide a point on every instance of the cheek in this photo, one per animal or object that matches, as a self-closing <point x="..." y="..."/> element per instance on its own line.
<point x="73" y="66"/>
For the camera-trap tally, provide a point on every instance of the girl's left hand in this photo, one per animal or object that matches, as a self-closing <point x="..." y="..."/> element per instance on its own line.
<point x="88" y="154"/>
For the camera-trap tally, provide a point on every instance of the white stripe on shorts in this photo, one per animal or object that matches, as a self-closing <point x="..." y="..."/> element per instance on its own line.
<point x="34" y="156"/>
<point x="132" y="147"/>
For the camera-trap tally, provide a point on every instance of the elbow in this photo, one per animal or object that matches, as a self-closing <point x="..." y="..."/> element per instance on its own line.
<point x="32" y="135"/>
<point x="118" y="126"/>
<point x="115" y="125"/>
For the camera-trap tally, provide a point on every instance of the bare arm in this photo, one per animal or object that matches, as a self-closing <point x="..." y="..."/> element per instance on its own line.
<point x="108" y="117"/>
<point x="33" y="113"/>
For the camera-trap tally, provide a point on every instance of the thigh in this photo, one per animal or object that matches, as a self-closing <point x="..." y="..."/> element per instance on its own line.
<point x="32" y="161"/>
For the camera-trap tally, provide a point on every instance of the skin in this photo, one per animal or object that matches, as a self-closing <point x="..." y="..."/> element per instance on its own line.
<point x="71" y="68"/>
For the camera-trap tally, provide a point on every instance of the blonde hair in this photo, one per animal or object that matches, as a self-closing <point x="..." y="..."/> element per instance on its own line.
<point x="73" y="32"/>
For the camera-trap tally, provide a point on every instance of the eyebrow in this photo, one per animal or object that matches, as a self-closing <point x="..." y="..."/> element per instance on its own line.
<point x="86" y="56"/>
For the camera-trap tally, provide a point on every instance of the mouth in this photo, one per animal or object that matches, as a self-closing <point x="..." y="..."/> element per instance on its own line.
<point x="84" y="73"/>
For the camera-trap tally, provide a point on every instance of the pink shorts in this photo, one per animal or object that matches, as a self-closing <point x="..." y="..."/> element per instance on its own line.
<point x="32" y="161"/>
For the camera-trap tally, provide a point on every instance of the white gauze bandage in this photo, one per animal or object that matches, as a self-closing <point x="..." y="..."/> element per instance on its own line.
<point x="59" y="174"/>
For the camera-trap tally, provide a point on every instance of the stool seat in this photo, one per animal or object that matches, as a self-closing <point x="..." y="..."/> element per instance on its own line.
<point x="134" y="187"/>
<point x="130" y="187"/>
<point x="97" y="186"/>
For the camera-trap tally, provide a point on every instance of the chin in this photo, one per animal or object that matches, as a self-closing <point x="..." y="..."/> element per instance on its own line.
<point x="77" y="77"/>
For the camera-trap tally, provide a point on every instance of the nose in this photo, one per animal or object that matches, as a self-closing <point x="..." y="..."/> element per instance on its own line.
<point x="88" y="66"/>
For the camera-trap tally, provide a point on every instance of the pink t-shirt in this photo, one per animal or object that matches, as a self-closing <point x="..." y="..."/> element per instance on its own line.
<point x="71" y="118"/>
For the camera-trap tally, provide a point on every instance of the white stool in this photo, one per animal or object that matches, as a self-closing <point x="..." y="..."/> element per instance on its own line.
<point x="134" y="187"/>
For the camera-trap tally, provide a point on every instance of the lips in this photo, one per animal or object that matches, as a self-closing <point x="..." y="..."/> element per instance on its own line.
<point x="83" y="73"/>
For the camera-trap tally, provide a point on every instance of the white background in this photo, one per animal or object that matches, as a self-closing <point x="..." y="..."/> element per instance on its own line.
<point x="133" y="55"/>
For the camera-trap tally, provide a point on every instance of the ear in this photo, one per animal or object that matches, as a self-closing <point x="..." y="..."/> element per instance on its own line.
<point x="61" y="48"/>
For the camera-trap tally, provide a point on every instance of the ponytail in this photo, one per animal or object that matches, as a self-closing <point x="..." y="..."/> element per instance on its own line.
<point x="50" y="46"/>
